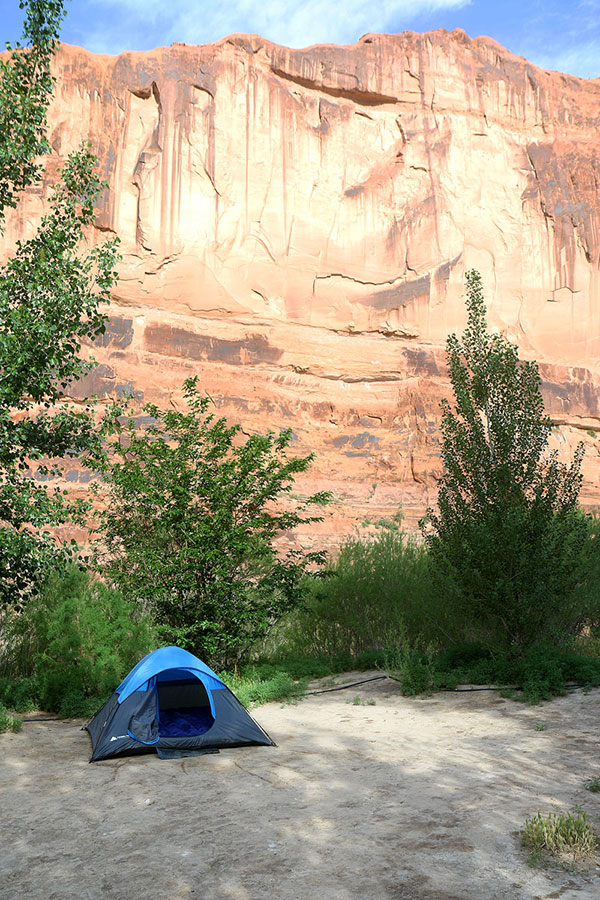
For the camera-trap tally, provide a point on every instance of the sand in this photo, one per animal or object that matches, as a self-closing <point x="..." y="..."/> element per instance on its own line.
<point x="406" y="799"/>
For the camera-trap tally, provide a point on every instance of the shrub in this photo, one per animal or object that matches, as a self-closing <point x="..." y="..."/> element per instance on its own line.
<point x="74" y="642"/>
<point x="462" y="655"/>
<point x="538" y="674"/>
<point x="414" y="668"/>
<point x="544" y="671"/>
<point x="20" y="693"/>
<point x="375" y="591"/>
<point x="560" y="833"/>
<point x="8" y="722"/>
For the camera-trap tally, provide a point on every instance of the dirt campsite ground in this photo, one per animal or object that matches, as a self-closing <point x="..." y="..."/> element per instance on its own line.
<point x="389" y="799"/>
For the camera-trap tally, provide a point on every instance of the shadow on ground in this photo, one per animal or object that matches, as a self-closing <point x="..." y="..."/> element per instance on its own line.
<point x="401" y="800"/>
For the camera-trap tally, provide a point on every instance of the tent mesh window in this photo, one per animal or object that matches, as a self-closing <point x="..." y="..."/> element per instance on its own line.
<point x="183" y="705"/>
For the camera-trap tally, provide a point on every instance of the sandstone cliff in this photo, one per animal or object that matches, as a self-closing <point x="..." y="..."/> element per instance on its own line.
<point x="295" y="227"/>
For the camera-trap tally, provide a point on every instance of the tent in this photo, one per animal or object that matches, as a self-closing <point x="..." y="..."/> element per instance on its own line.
<point x="172" y="703"/>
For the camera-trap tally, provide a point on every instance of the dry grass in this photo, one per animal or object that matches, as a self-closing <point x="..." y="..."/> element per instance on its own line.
<point x="560" y="834"/>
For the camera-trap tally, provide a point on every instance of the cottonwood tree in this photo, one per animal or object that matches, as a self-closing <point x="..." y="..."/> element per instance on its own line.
<point x="508" y="532"/>
<point x="189" y="519"/>
<point x="51" y="289"/>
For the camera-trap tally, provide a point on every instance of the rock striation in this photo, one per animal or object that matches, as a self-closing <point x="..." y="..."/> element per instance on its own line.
<point x="296" y="225"/>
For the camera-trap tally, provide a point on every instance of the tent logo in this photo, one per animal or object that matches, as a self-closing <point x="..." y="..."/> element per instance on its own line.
<point x="118" y="737"/>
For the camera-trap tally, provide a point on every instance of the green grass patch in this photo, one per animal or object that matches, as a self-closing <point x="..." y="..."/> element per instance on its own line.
<point x="560" y="834"/>
<point x="9" y="722"/>
<point x="286" y="678"/>
<point x="358" y="701"/>
<point x="253" y="689"/>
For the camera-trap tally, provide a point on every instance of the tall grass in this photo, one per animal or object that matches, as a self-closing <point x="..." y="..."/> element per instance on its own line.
<point x="560" y="833"/>
<point x="8" y="722"/>
<point x="376" y="593"/>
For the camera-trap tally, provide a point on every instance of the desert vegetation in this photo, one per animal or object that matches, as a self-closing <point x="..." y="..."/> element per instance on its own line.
<point x="570" y="835"/>
<point x="191" y="539"/>
<point x="192" y="526"/>
<point x="500" y="588"/>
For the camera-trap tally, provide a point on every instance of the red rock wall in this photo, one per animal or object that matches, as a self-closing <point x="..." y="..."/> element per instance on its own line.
<point x="296" y="225"/>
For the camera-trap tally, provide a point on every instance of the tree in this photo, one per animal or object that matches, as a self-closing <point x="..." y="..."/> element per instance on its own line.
<point x="191" y="513"/>
<point x="508" y="533"/>
<point x="26" y="86"/>
<point x="50" y="295"/>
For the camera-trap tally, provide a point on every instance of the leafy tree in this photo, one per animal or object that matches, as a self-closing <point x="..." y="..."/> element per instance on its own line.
<point x="508" y="532"/>
<point x="190" y="518"/>
<point x="26" y="86"/>
<point x="50" y="292"/>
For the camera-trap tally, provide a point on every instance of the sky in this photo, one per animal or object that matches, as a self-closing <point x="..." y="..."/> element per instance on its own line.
<point x="553" y="34"/>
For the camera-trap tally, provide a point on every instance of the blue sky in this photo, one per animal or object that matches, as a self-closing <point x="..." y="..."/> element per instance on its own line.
<point x="553" y="34"/>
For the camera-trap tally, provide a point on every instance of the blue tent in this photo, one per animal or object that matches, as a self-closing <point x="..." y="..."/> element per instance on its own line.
<point x="173" y="703"/>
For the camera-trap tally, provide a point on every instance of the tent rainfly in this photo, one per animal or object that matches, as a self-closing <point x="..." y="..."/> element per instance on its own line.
<point x="173" y="703"/>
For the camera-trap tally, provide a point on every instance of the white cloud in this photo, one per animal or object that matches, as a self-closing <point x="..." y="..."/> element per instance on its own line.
<point x="582" y="59"/>
<point x="290" y="22"/>
<point x="565" y="39"/>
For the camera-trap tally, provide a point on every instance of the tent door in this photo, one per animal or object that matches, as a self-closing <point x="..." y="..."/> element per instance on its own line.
<point x="143" y="725"/>
<point x="185" y="706"/>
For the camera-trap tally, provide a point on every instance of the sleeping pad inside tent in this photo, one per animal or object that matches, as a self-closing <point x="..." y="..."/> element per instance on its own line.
<point x="173" y="703"/>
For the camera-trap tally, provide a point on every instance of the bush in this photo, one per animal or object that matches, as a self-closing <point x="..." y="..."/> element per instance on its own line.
<point x="382" y="597"/>
<point x="20" y="693"/>
<point x="72" y="645"/>
<point x="560" y="833"/>
<point x="8" y="722"/>
<point x="375" y="591"/>
<point x="544" y="671"/>
<point x="539" y="674"/>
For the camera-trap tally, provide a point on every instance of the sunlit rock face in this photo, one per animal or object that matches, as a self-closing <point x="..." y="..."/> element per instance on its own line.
<point x="296" y="225"/>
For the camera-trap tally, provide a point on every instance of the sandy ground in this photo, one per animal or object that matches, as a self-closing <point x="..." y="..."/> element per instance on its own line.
<point x="402" y="800"/>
